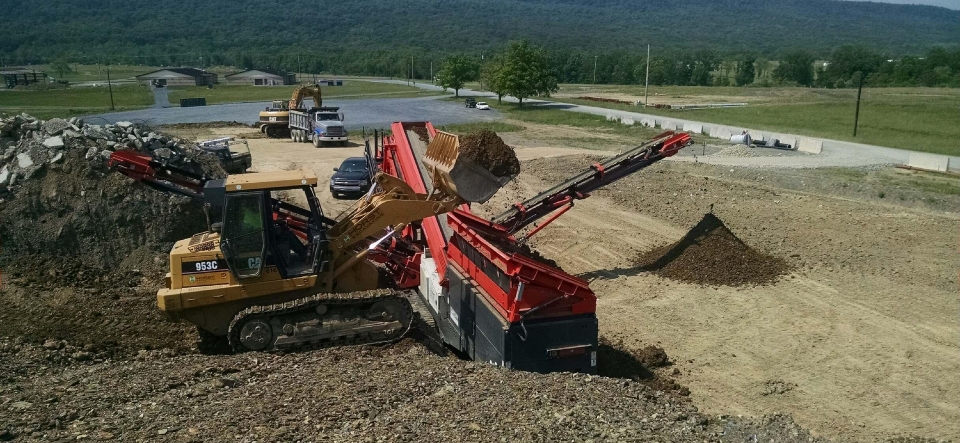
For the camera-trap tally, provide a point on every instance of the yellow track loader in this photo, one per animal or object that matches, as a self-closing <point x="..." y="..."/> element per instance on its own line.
<point x="273" y="274"/>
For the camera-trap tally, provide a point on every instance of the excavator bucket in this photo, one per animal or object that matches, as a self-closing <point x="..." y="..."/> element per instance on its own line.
<point x="457" y="174"/>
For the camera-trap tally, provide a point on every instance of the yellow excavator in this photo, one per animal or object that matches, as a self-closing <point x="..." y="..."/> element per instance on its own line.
<point x="272" y="274"/>
<point x="275" y="120"/>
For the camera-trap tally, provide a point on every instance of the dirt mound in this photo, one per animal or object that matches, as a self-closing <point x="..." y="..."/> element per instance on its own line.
<point x="84" y="248"/>
<point x="617" y="360"/>
<point x="712" y="255"/>
<point x="488" y="150"/>
<point x="78" y="209"/>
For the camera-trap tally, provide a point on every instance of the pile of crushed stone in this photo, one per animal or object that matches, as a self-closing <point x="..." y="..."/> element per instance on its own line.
<point x="736" y="151"/>
<point x="711" y="254"/>
<point x="489" y="151"/>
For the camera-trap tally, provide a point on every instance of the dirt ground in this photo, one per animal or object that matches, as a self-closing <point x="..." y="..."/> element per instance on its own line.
<point x="858" y="343"/>
<point x="855" y="343"/>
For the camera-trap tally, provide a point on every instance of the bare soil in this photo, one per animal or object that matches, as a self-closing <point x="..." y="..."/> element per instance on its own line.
<point x="490" y="152"/>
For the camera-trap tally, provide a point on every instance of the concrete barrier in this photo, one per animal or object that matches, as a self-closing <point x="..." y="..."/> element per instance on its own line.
<point x="668" y="125"/>
<point x="611" y="117"/>
<point x="627" y="121"/>
<point x="696" y="128"/>
<point x="721" y="132"/>
<point x="953" y="165"/>
<point x="810" y="145"/>
<point x="930" y="162"/>
<point x="648" y="122"/>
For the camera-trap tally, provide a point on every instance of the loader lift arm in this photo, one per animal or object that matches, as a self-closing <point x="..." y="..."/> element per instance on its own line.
<point x="561" y="197"/>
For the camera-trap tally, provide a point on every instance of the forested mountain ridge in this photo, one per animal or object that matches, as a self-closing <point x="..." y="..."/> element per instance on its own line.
<point x="97" y="28"/>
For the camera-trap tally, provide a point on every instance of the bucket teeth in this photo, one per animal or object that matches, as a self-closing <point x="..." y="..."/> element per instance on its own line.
<point x="443" y="150"/>
<point x="459" y="177"/>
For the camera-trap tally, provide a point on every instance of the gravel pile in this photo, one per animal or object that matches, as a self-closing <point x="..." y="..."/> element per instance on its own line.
<point x="396" y="393"/>
<point x="489" y="151"/>
<point x="736" y="151"/>
<point x="712" y="255"/>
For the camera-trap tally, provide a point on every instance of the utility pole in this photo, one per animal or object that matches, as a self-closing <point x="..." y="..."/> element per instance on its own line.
<point x="110" y="87"/>
<point x="646" y="87"/>
<point x="411" y="69"/>
<point x="299" y="70"/>
<point x="431" y="71"/>
<point x="594" y="69"/>
<point x="856" y="118"/>
<point x="481" y="71"/>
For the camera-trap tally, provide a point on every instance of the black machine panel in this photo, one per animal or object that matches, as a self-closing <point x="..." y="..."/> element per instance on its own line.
<point x="476" y="328"/>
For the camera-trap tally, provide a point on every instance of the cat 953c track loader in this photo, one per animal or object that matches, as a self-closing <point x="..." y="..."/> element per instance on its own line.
<point x="274" y="275"/>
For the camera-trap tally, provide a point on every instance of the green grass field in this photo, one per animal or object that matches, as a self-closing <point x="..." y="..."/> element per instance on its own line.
<point x="917" y="119"/>
<point x="244" y="93"/>
<point x="497" y="126"/>
<point x="74" y="101"/>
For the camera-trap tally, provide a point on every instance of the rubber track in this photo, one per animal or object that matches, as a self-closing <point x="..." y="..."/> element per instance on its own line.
<point x="309" y="303"/>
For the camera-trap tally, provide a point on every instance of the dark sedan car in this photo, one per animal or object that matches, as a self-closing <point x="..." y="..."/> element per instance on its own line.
<point x="352" y="177"/>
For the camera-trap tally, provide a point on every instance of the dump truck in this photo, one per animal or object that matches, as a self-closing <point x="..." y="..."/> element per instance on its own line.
<point x="274" y="121"/>
<point x="318" y="125"/>
<point x="271" y="275"/>
<point x="234" y="155"/>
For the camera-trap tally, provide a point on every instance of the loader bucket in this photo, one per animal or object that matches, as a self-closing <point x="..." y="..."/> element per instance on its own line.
<point x="459" y="175"/>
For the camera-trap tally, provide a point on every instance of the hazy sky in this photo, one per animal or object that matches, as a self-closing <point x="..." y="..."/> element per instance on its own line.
<point x="952" y="4"/>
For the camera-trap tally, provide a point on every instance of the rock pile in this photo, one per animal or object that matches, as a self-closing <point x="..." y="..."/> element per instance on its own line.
<point x="59" y="204"/>
<point x="30" y="145"/>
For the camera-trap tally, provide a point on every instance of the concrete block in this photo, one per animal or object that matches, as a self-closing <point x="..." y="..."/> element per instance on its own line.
<point x="809" y="145"/>
<point x="124" y="125"/>
<point x="695" y="128"/>
<point x="648" y="122"/>
<point x="54" y="142"/>
<point x="668" y="125"/>
<point x="953" y="165"/>
<point x="930" y="162"/>
<point x="627" y="121"/>
<point x="24" y="161"/>
<point x="721" y="132"/>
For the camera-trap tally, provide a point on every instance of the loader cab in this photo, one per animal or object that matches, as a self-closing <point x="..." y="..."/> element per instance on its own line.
<point x="272" y="222"/>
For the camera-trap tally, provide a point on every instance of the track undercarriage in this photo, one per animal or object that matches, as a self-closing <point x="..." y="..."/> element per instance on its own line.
<point x="323" y="320"/>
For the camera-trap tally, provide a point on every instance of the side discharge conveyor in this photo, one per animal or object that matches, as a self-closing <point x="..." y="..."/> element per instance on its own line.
<point x="488" y="297"/>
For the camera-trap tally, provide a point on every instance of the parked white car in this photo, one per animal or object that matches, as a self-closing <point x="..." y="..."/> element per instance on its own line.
<point x="483" y="105"/>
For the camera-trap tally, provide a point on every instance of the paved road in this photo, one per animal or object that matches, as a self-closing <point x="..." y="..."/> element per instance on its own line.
<point x="370" y="113"/>
<point x="160" y="97"/>
<point x="835" y="152"/>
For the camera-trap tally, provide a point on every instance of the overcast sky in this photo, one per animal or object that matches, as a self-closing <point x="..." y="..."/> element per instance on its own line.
<point x="952" y="4"/>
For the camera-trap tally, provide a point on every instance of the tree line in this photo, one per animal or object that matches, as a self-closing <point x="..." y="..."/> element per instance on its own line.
<point x="842" y="68"/>
<point x="839" y="68"/>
